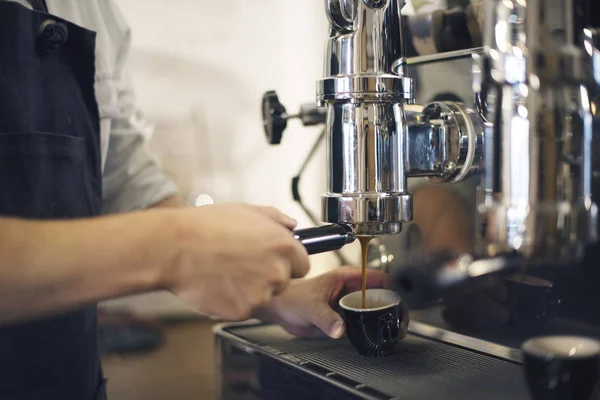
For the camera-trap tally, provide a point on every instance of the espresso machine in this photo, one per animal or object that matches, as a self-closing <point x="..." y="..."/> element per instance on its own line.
<point x="528" y="136"/>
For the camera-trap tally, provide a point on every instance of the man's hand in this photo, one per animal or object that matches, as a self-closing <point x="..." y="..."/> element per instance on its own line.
<point x="231" y="259"/>
<point x="308" y="306"/>
<point x="224" y="261"/>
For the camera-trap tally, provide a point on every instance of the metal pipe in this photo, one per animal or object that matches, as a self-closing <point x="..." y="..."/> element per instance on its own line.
<point x="365" y="90"/>
<point x="444" y="142"/>
<point x="537" y="187"/>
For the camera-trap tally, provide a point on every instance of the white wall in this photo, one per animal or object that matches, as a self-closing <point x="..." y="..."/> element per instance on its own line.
<point x="200" y="68"/>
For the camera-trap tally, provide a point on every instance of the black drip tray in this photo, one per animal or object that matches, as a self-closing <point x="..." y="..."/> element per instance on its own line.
<point x="421" y="368"/>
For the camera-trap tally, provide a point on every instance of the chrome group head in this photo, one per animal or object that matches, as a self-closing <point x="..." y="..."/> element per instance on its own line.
<point x="365" y="90"/>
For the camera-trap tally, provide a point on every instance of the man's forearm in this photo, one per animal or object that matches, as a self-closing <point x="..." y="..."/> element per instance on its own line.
<point x="49" y="267"/>
<point x="169" y="202"/>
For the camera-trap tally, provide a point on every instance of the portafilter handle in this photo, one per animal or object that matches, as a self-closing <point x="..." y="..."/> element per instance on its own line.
<point x="325" y="238"/>
<point x="429" y="280"/>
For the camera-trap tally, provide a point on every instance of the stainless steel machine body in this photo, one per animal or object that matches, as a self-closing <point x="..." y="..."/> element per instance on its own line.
<point x="365" y="90"/>
<point x="528" y="133"/>
<point x="372" y="147"/>
<point x="536" y="80"/>
<point x="530" y="136"/>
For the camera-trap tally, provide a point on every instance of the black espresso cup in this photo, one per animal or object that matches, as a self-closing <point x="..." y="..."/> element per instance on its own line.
<point x="531" y="300"/>
<point x="562" y="367"/>
<point x="377" y="328"/>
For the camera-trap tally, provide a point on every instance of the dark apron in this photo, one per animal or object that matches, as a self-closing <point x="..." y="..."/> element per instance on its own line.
<point x="50" y="168"/>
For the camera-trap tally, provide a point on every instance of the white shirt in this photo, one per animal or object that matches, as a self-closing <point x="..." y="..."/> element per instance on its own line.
<point x="132" y="179"/>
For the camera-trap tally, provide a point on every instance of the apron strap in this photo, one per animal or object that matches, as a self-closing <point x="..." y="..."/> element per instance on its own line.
<point x="38" y="5"/>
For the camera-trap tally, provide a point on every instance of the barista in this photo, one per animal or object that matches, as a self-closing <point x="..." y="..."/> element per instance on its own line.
<point x="70" y="151"/>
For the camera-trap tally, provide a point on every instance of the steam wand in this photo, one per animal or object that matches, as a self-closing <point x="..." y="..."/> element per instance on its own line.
<point x="427" y="280"/>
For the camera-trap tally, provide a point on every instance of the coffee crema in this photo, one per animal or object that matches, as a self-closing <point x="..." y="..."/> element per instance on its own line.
<point x="375" y="299"/>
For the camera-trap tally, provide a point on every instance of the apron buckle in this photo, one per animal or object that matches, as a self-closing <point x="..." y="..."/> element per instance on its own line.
<point x="52" y="35"/>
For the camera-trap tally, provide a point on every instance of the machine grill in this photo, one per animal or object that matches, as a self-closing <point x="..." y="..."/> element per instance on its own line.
<point x="421" y="368"/>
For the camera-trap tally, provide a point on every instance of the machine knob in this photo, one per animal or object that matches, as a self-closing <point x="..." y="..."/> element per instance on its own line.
<point x="274" y="117"/>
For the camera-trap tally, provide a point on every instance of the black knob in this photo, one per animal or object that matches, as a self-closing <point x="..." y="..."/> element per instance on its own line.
<point x="274" y="117"/>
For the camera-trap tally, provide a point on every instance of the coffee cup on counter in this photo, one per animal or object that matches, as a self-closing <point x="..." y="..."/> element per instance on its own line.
<point x="374" y="330"/>
<point x="562" y="367"/>
<point x="531" y="300"/>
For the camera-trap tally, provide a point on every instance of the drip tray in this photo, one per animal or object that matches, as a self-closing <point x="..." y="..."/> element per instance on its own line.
<point x="421" y="368"/>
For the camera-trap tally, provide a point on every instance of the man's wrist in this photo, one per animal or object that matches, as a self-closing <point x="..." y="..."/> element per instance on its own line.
<point x="166" y="240"/>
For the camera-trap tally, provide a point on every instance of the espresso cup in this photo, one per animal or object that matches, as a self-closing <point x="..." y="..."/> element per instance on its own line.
<point x="377" y="328"/>
<point x="531" y="300"/>
<point x="562" y="367"/>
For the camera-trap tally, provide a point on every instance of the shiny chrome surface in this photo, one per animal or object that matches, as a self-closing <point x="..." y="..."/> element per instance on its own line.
<point x="370" y="150"/>
<point x="423" y="28"/>
<point x="364" y="91"/>
<point x="446" y="56"/>
<point x="366" y="37"/>
<point x="444" y="32"/>
<point x="591" y="45"/>
<point x="372" y="215"/>
<point x="444" y="142"/>
<point x="537" y="197"/>
<point x="531" y="132"/>
<point x="354" y="88"/>
<point x="371" y="137"/>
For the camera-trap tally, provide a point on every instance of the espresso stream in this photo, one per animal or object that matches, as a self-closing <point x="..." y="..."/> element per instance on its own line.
<point x="364" y="245"/>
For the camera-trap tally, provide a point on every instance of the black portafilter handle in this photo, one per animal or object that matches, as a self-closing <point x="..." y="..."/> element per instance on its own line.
<point x="429" y="280"/>
<point x="322" y="239"/>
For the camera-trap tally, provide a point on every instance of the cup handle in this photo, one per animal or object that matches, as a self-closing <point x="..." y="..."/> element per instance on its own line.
<point x="389" y="328"/>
